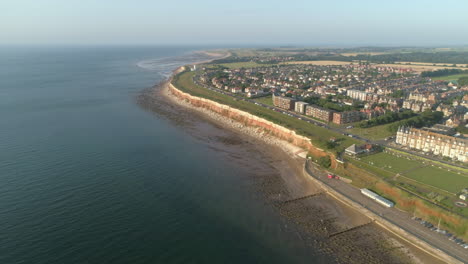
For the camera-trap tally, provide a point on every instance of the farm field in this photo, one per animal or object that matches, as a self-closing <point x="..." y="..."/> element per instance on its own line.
<point x="420" y="68"/>
<point x="318" y="62"/>
<point x="347" y="54"/>
<point x="248" y="64"/>
<point x="450" y="77"/>
<point x="431" y="64"/>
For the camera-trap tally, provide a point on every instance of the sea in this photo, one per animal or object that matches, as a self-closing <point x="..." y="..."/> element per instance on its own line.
<point x="87" y="175"/>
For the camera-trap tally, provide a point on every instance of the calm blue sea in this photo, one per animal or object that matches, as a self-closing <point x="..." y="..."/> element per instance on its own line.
<point x="88" y="176"/>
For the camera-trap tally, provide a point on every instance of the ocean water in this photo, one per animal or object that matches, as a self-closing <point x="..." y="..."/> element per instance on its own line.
<point x="88" y="176"/>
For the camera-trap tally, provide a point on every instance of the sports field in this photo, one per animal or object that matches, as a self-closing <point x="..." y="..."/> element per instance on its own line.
<point x="425" y="173"/>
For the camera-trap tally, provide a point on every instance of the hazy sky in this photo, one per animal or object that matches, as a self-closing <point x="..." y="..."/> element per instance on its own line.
<point x="248" y="22"/>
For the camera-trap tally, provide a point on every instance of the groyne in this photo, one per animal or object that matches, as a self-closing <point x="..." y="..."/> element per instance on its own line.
<point x="262" y="128"/>
<point x="387" y="225"/>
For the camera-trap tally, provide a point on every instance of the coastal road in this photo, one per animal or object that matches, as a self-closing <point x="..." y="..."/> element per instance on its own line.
<point x="393" y="215"/>
<point x="340" y="130"/>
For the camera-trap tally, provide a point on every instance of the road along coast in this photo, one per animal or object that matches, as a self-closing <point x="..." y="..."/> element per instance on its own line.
<point x="271" y="134"/>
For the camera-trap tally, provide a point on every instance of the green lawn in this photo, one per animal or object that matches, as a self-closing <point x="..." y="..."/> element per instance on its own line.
<point x="318" y="135"/>
<point x="373" y="133"/>
<point x="391" y="163"/>
<point x="425" y="173"/>
<point x="440" y="178"/>
<point x="437" y="163"/>
<point x="268" y="100"/>
<point x="451" y="77"/>
<point x="379" y="172"/>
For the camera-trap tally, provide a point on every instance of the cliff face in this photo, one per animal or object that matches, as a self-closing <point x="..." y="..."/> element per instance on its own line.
<point x="250" y="120"/>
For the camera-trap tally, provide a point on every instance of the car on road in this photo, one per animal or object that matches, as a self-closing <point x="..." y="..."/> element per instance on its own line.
<point x="331" y="176"/>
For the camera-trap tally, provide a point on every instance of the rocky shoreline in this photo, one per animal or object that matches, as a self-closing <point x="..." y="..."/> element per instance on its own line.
<point x="315" y="218"/>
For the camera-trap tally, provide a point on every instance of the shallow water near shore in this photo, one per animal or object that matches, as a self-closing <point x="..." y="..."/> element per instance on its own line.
<point x="88" y="176"/>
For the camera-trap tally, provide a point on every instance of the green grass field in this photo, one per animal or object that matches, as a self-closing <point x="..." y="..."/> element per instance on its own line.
<point x="437" y="163"/>
<point x="425" y="173"/>
<point x="318" y="135"/>
<point x="450" y="77"/>
<point x="268" y="100"/>
<point x="374" y="133"/>
<point x="389" y="162"/>
<point x="439" y="178"/>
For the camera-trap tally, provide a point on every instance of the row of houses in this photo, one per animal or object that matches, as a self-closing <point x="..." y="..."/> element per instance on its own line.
<point x="417" y="106"/>
<point x="429" y="141"/>
<point x="315" y="111"/>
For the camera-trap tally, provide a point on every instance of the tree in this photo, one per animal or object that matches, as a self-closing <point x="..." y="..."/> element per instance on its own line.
<point x="324" y="161"/>
<point x="463" y="81"/>
<point x="330" y="144"/>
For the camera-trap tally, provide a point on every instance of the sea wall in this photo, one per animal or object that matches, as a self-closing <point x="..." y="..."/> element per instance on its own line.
<point x="403" y="234"/>
<point x="250" y="120"/>
<point x="282" y="133"/>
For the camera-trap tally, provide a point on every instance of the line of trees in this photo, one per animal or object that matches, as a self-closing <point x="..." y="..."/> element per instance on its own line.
<point x="427" y="118"/>
<point x="463" y="81"/>
<point x="449" y="57"/>
<point x="388" y="117"/>
<point x="328" y="104"/>
<point x="442" y="72"/>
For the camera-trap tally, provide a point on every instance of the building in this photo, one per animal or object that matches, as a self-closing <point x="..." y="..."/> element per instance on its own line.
<point x="431" y="142"/>
<point x="441" y="129"/>
<point x="346" y="117"/>
<point x="357" y="94"/>
<point x="448" y="110"/>
<point x="354" y="150"/>
<point x="283" y="102"/>
<point x="319" y="113"/>
<point x="236" y="90"/>
<point x="300" y="107"/>
<point x="418" y="97"/>
<point x="407" y="104"/>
